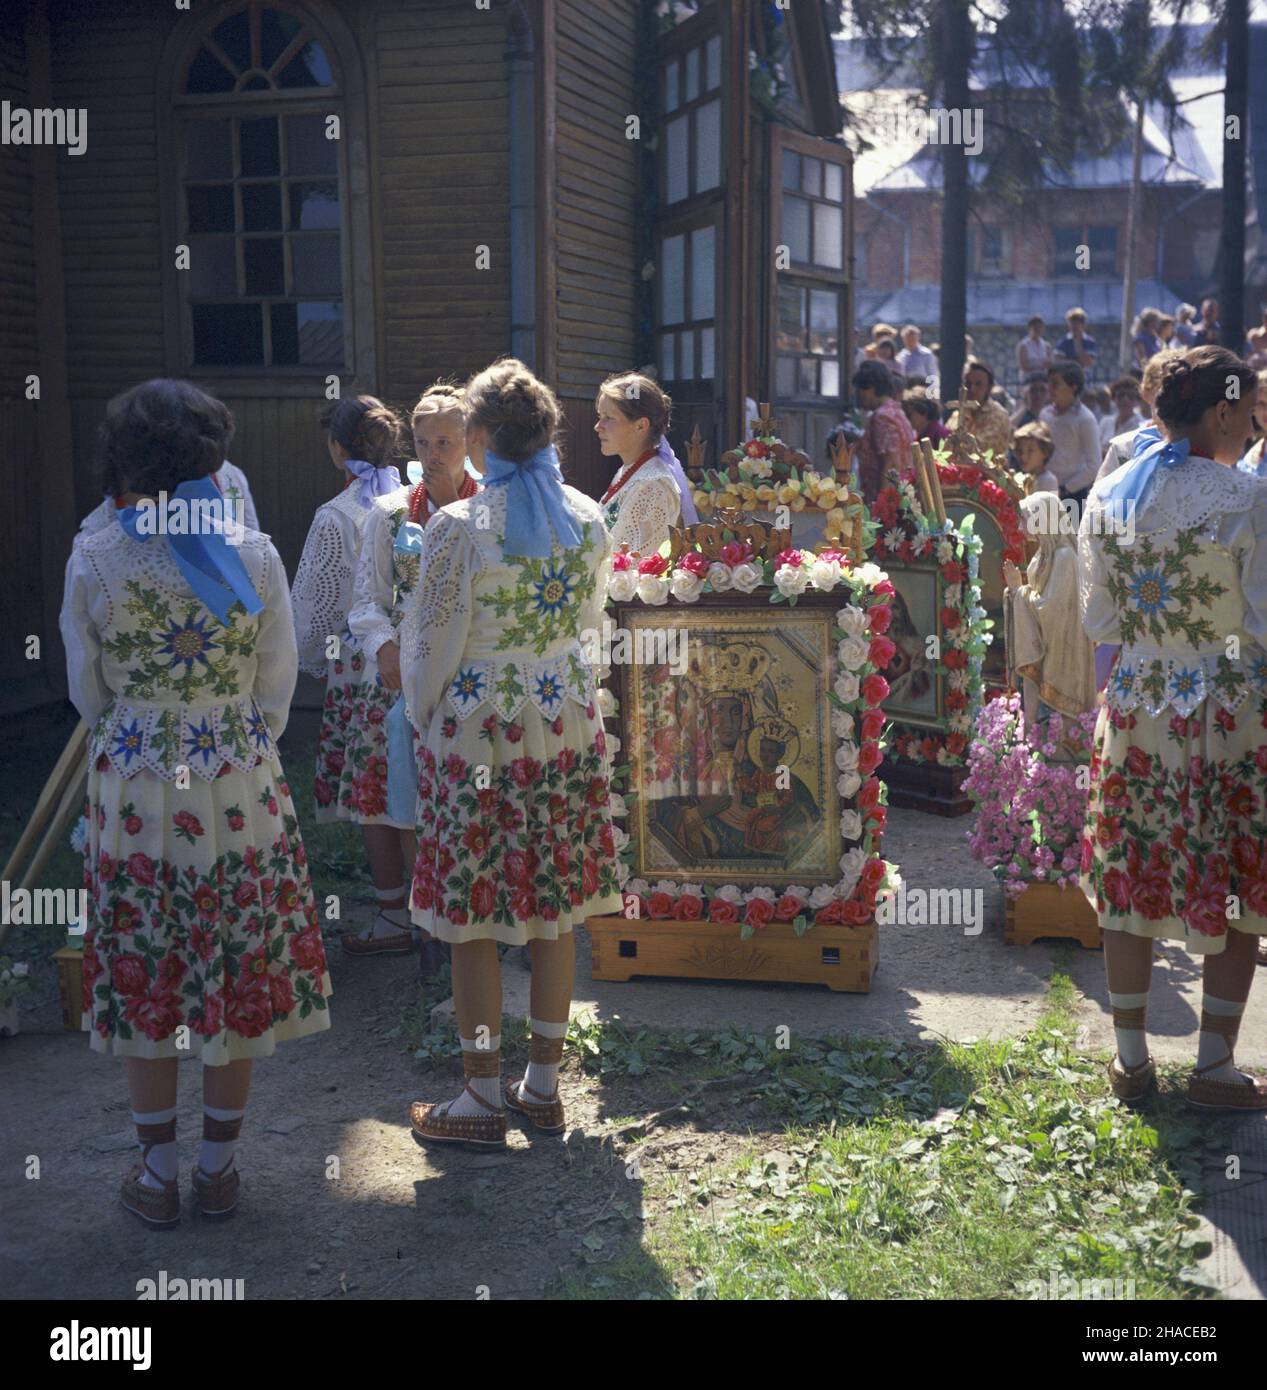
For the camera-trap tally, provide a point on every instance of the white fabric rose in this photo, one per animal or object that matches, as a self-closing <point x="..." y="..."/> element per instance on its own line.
<point x="622" y="585"/>
<point x="847" y="783"/>
<point x="824" y="574"/>
<point x="846" y="687"/>
<point x="622" y="873"/>
<point x="822" y="895"/>
<point x="745" y="577"/>
<point x="842" y="723"/>
<point x="667" y="886"/>
<point x="847" y="756"/>
<point x="762" y="891"/>
<point x="791" y="579"/>
<point x="616" y="804"/>
<point x="869" y="574"/>
<point x="852" y="620"/>
<point x="606" y="702"/>
<point x="853" y="653"/>
<point x="730" y="893"/>
<point x="685" y="586"/>
<point x="653" y="589"/>
<point x="620" y="838"/>
<point x="850" y="825"/>
<point x="639" y="886"/>
<point x="851" y="866"/>
<point x="719" y="576"/>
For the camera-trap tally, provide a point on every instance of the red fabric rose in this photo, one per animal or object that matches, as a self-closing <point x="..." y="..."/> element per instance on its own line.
<point x="281" y="994"/>
<point x="653" y="564"/>
<point x="141" y="869"/>
<point x="660" y="905"/>
<point x="622" y="560"/>
<point x="694" y="563"/>
<point x="720" y="910"/>
<point x="514" y="732"/>
<point x="955" y="744"/>
<point x="954" y="659"/>
<point x="133" y="825"/>
<point x="950" y="618"/>
<point x="873" y="872"/>
<point x="869" y="759"/>
<point x="126" y="917"/>
<point x="1242" y="803"/>
<point x="880" y="652"/>
<point x="524" y="771"/>
<point x="875" y="689"/>
<point x="952" y="572"/>
<point x="884" y="588"/>
<point x="483" y="897"/>
<point x="790" y="557"/>
<point x="758" y="911"/>
<point x="788" y="908"/>
<point x="736" y="553"/>
<point x="871" y="724"/>
<point x="688" y="908"/>
<point x="880" y="618"/>
<point x="589" y="876"/>
<point x="1138" y="763"/>
<point x="869" y="794"/>
<point x="307" y="950"/>
<point x="1117" y="889"/>
<point x="831" y="915"/>
<point x="561" y="857"/>
<point x="1150" y="894"/>
<point x="129" y="976"/>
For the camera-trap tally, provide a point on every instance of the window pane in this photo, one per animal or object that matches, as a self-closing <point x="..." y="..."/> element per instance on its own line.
<point x="807" y="377"/>
<point x="796" y="227"/>
<point x="812" y="176"/>
<point x="262" y="260"/>
<point x="829" y="231"/>
<point x="260" y="154"/>
<point x="707" y="353"/>
<point x="316" y="265"/>
<point x="276" y="31"/>
<point x="792" y="335"/>
<point x="211" y="208"/>
<point x="228" y="335"/>
<point x="675" y="159"/>
<point x="208" y="150"/>
<point x="791" y="170"/>
<point x="234" y="36"/>
<point x="671" y="86"/>
<point x="208" y="75"/>
<point x="703" y="272"/>
<point x="307" y="149"/>
<point x="831" y="378"/>
<point x="672" y="280"/>
<point x="320" y="333"/>
<point x="713" y="64"/>
<point x="824" y="322"/>
<point x="692" y="76"/>
<point x="668" y="362"/>
<point x="708" y="147"/>
<point x="308" y="69"/>
<point x="314" y="205"/>
<point x="213" y="271"/>
<point x="834" y="183"/>
<point x="261" y="207"/>
<point x="786" y="380"/>
<point x="686" y="356"/>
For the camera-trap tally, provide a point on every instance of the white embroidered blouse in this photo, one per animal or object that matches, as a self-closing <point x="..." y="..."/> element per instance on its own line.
<point x="229" y="478"/>
<point x="481" y="628"/>
<point x="156" y="675"/>
<point x="642" y="512"/>
<point x="1193" y="574"/>
<point x="324" y="589"/>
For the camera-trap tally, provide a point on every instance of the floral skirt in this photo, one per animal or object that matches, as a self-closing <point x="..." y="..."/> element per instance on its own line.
<point x="351" y="780"/>
<point x="203" y="936"/>
<point x="515" y="838"/>
<point x="1175" y="840"/>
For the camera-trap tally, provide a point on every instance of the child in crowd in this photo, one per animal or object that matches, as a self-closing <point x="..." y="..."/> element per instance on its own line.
<point x="1034" y="446"/>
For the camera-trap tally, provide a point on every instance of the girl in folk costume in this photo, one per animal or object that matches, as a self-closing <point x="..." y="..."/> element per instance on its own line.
<point x="1177" y="815"/>
<point x="649" y="492"/>
<point x="351" y="780"/>
<point x="386" y="576"/>
<point x="1051" y="651"/>
<point x="230" y="480"/>
<point x="515" y="836"/>
<point x="202" y="932"/>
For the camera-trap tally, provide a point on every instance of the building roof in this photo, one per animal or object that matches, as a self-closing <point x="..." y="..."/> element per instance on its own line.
<point x="1004" y="302"/>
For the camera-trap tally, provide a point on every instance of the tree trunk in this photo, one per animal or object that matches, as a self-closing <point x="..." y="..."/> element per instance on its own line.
<point x="1235" y="134"/>
<point x="1125" y="355"/>
<point x="957" y="56"/>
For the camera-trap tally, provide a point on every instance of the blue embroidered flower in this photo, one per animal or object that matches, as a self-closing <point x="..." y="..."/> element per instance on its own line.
<point x="1183" y="683"/>
<point x="200" y="740"/>
<point x="258" y="730"/>
<point x="549" y="692"/>
<point x="554" y="589"/>
<point x="127" y="742"/>
<point x="1258" y="670"/>
<point x="467" y="687"/>
<point x="188" y="644"/>
<point x="1123" y="678"/>
<point x="1150" y="592"/>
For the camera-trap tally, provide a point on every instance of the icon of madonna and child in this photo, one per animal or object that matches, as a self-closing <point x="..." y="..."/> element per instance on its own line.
<point x="734" y="773"/>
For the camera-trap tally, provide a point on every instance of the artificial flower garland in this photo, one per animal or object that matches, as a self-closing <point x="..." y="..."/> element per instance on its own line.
<point x="857" y="721"/>
<point x="966" y="629"/>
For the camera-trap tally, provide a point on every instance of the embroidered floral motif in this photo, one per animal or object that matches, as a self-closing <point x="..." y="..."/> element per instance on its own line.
<point x="351" y="780"/>
<point x="545" y="604"/>
<point x="1156" y="592"/>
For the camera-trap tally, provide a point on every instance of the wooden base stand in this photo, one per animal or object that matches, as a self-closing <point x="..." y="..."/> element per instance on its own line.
<point x="70" y="977"/>
<point x="926" y="787"/>
<point x="842" y="958"/>
<point x="1044" y="909"/>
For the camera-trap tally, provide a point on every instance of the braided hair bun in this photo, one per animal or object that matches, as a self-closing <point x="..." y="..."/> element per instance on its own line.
<point x="520" y="413"/>
<point x="1194" y="381"/>
<point x="366" y="428"/>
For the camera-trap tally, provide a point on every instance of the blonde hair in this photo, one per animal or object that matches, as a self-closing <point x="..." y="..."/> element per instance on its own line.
<point x="444" y="398"/>
<point x="1150" y="382"/>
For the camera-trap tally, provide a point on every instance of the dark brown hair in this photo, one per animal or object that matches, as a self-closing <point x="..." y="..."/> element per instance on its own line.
<point x="637" y="397"/>
<point x="1193" y="381"/>
<point x="158" y="435"/>
<point x="927" y="406"/>
<point x="365" y="427"/>
<point x="519" y="412"/>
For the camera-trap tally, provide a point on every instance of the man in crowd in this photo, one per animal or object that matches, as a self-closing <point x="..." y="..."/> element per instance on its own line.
<point x="1076" y="456"/>
<point x="1077" y="345"/>
<point x="987" y="420"/>
<point x="915" y="363"/>
<point x="1207" y="334"/>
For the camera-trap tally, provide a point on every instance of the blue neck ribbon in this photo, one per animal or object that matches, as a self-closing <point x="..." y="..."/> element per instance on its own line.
<point x="212" y="568"/>
<point x="375" y="482"/>
<point x="534" y="504"/>
<point x="1152" y="452"/>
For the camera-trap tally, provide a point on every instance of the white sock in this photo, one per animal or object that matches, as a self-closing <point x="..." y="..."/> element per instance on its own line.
<point x="213" y="1157"/>
<point x="1212" y="1046"/>
<point x="1132" y="1043"/>
<point x="543" y="1077"/>
<point x="390" y="920"/>
<point x="488" y="1088"/>
<point x="162" y="1158"/>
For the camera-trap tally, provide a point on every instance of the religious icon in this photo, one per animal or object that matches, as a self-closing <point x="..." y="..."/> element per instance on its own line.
<point x="912" y="674"/>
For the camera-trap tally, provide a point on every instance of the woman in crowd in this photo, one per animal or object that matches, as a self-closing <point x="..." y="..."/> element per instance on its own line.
<point x="515" y="836"/>
<point x="1033" y="352"/>
<point x="202" y="934"/>
<point x="888" y="439"/>
<point x="1171" y="848"/>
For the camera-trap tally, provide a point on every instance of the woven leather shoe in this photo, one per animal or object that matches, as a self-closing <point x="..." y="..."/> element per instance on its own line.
<point x="545" y="1112"/>
<point x="1132" y="1084"/>
<point x="217" y="1195"/>
<point x="487" y="1131"/>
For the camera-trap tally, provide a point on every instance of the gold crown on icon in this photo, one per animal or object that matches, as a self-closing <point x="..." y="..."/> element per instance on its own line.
<point x="735" y="669"/>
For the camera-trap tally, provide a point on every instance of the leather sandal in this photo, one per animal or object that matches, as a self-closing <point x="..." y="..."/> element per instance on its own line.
<point x="1245" y="1093"/>
<point x="1132" y="1084"/>
<point x="399" y="943"/>
<point x="216" y="1194"/>
<point x="156" y="1206"/>
<point x="486" y="1131"/>
<point x="545" y="1112"/>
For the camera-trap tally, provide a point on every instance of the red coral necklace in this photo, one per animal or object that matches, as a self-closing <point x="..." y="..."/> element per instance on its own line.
<point x="419" y="503"/>
<point x="615" y="487"/>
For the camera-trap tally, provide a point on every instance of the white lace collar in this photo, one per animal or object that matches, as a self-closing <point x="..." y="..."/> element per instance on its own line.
<point x="1188" y="494"/>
